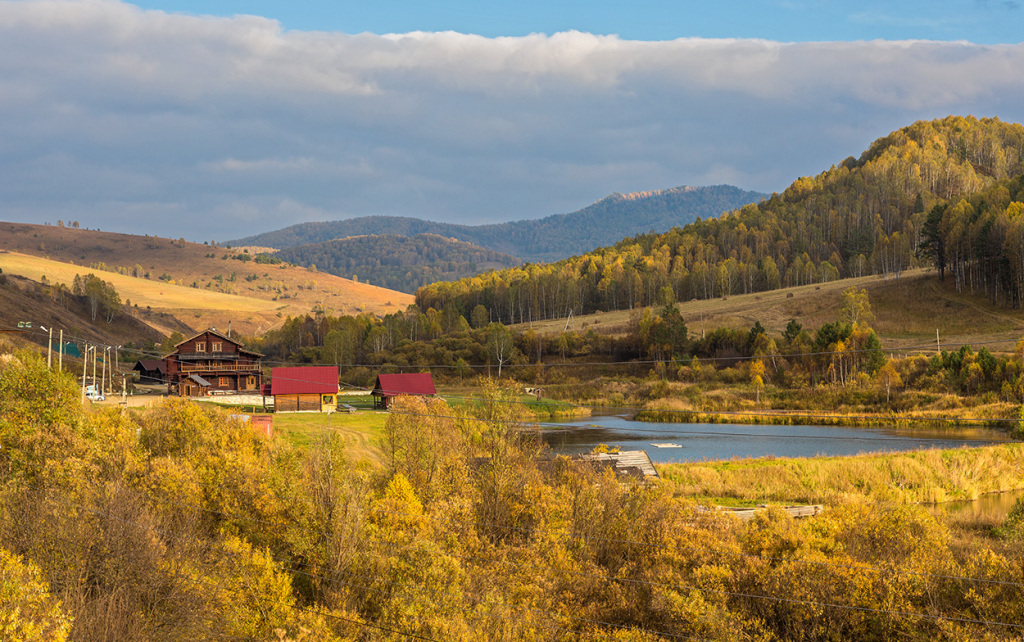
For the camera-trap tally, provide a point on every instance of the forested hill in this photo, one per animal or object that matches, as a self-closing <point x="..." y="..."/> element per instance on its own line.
<point x="547" y="239"/>
<point x="864" y="216"/>
<point x="397" y="262"/>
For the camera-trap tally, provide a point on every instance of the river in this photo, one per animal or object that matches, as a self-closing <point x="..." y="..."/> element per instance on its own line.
<point x="683" y="442"/>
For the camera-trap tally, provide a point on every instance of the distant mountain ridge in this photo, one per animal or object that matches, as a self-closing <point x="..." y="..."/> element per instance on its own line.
<point x="398" y="262"/>
<point x="550" y="238"/>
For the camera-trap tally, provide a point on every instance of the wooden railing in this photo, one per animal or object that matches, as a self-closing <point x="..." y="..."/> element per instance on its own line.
<point x="220" y="367"/>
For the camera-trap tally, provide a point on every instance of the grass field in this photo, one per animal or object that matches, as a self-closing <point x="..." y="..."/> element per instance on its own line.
<point x="264" y="294"/>
<point x="142" y="292"/>
<point x="919" y="476"/>
<point x="360" y="432"/>
<point x="907" y="312"/>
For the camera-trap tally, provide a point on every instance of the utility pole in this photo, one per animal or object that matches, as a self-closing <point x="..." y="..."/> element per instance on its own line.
<point x="85" y="365"/>
<point x="85" y="360"/>
<point x="49" y="350"/>
<point x="103" y="375"/>
<point x="938" y="348"/>
<point x="93" y="348"/>
<point x="60" y="358"/>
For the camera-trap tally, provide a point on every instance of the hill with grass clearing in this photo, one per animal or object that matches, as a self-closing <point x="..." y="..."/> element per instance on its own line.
<point x="200" y="285"/>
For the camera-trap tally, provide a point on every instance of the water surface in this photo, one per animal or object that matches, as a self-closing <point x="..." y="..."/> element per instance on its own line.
<point x="683" y="442"/>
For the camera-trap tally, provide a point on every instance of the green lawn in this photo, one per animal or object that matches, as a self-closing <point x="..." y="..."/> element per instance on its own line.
<point x="359" y="431"/>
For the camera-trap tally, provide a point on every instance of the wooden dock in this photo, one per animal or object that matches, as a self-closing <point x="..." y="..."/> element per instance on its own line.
<point x="625" y="461"/>
<point x="748" y="513"/>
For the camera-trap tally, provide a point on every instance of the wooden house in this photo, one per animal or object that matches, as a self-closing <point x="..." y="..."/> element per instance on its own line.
<point x="212" y="363"/>
<point x="305" y="389"/>
<point x="389" y="386"/>
<point x="151" y="370"/>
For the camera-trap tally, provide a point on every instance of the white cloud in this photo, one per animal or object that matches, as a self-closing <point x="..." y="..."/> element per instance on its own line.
<point x="102" y="102"/>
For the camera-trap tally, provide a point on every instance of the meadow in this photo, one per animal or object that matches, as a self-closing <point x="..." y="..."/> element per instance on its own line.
<point x="907" y="311"/>
<point x="185" y="278"/>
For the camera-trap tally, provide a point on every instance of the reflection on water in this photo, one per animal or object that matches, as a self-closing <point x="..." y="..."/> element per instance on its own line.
<point x="993" y="507"/>
<point x="684" y="442"/>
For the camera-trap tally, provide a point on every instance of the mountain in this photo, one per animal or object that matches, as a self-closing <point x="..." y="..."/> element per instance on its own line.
<point x="402" y="263"/>
<point x="955" y="182"/>
<point x="551" y="238"/>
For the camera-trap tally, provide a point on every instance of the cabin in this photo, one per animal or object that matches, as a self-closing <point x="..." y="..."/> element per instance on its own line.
<point x="305" y="389"/>
<point x="389" y="386"/>
<point x="151" y="370"/>
<point x="211" y="363"/>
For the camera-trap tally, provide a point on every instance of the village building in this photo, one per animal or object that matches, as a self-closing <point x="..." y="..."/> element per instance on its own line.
<point x="151" y="371"/>
<point x="389" y="386"/>
<point x="305" y="389"/>
<point x="212" y="363"/>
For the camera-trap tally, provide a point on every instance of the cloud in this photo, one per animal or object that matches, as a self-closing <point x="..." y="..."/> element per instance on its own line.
<point x="113" y="112"/>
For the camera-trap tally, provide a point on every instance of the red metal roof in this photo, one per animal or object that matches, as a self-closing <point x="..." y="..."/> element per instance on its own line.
<point x="304" y="380"/>
<point x="410" y="383"/>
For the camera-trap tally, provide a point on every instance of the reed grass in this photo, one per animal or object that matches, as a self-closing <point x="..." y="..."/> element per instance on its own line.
<point x="919" y="476"/>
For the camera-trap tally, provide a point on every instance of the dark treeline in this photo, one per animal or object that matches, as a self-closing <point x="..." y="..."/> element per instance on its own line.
<point x="978" y="240"/>
<point x="397" y="262"/>
<point x="865" y="216"/>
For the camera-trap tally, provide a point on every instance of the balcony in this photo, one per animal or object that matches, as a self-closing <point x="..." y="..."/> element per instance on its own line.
<point x="221" y="367"/>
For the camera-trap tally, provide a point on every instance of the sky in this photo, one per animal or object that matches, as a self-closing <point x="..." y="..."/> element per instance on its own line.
<point x="159" y="118"/>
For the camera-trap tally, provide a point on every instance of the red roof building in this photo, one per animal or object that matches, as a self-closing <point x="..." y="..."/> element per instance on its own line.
<point x="389" y="386"/>
<point x="311" y="388"/>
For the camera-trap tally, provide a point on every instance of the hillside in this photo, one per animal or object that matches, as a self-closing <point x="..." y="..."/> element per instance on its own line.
<point x="24" y="301"/>
<point x="199" y="285"/>
<point x="865" y="216"/>
<point x="396" y="262"/>
<point x="547" y="239"/>
<point x="907" y="313"/>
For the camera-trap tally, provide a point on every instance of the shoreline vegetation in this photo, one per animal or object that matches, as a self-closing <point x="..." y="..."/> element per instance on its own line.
<point x="892" y="420"/>
<point x="923" y="476"/>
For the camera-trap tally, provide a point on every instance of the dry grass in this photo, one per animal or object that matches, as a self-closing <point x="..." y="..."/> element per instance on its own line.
<point x="922" y="476"/>
<point x="907" y="312"/>
<point x="251" y="306"/>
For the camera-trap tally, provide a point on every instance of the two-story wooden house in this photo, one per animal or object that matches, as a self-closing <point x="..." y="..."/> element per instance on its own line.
<point x="211" y="363"/>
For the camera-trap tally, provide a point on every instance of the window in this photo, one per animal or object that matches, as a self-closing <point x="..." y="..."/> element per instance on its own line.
<point x="200" y="346"/>
<point x="215" y="346"/>
<point x="327" y="400"/>
<point x="224" y="382"/>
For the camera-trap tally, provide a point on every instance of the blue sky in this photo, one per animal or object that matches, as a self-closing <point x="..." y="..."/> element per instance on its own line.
<point x="160" y="119"/>
<point x="978" y="21"/>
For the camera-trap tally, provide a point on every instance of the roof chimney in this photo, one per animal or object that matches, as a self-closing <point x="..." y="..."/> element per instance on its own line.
<point x="229" y="328"/>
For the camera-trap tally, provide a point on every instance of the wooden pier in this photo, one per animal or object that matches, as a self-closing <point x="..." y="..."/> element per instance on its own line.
<point x="747" y="513"/>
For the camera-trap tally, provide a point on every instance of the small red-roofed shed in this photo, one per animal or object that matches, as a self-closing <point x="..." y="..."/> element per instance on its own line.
<point x="389" y="386"/>
<point x="310" y="389"/>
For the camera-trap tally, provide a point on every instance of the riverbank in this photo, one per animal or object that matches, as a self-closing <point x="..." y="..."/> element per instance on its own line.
<point x="909" y="477"/>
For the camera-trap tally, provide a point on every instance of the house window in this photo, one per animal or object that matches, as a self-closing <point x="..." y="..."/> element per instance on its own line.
<point x="224" y="382"/>
<point x="327" y="400"/>
<point x="215" y="346"/>
<point x="200" y="346"/>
